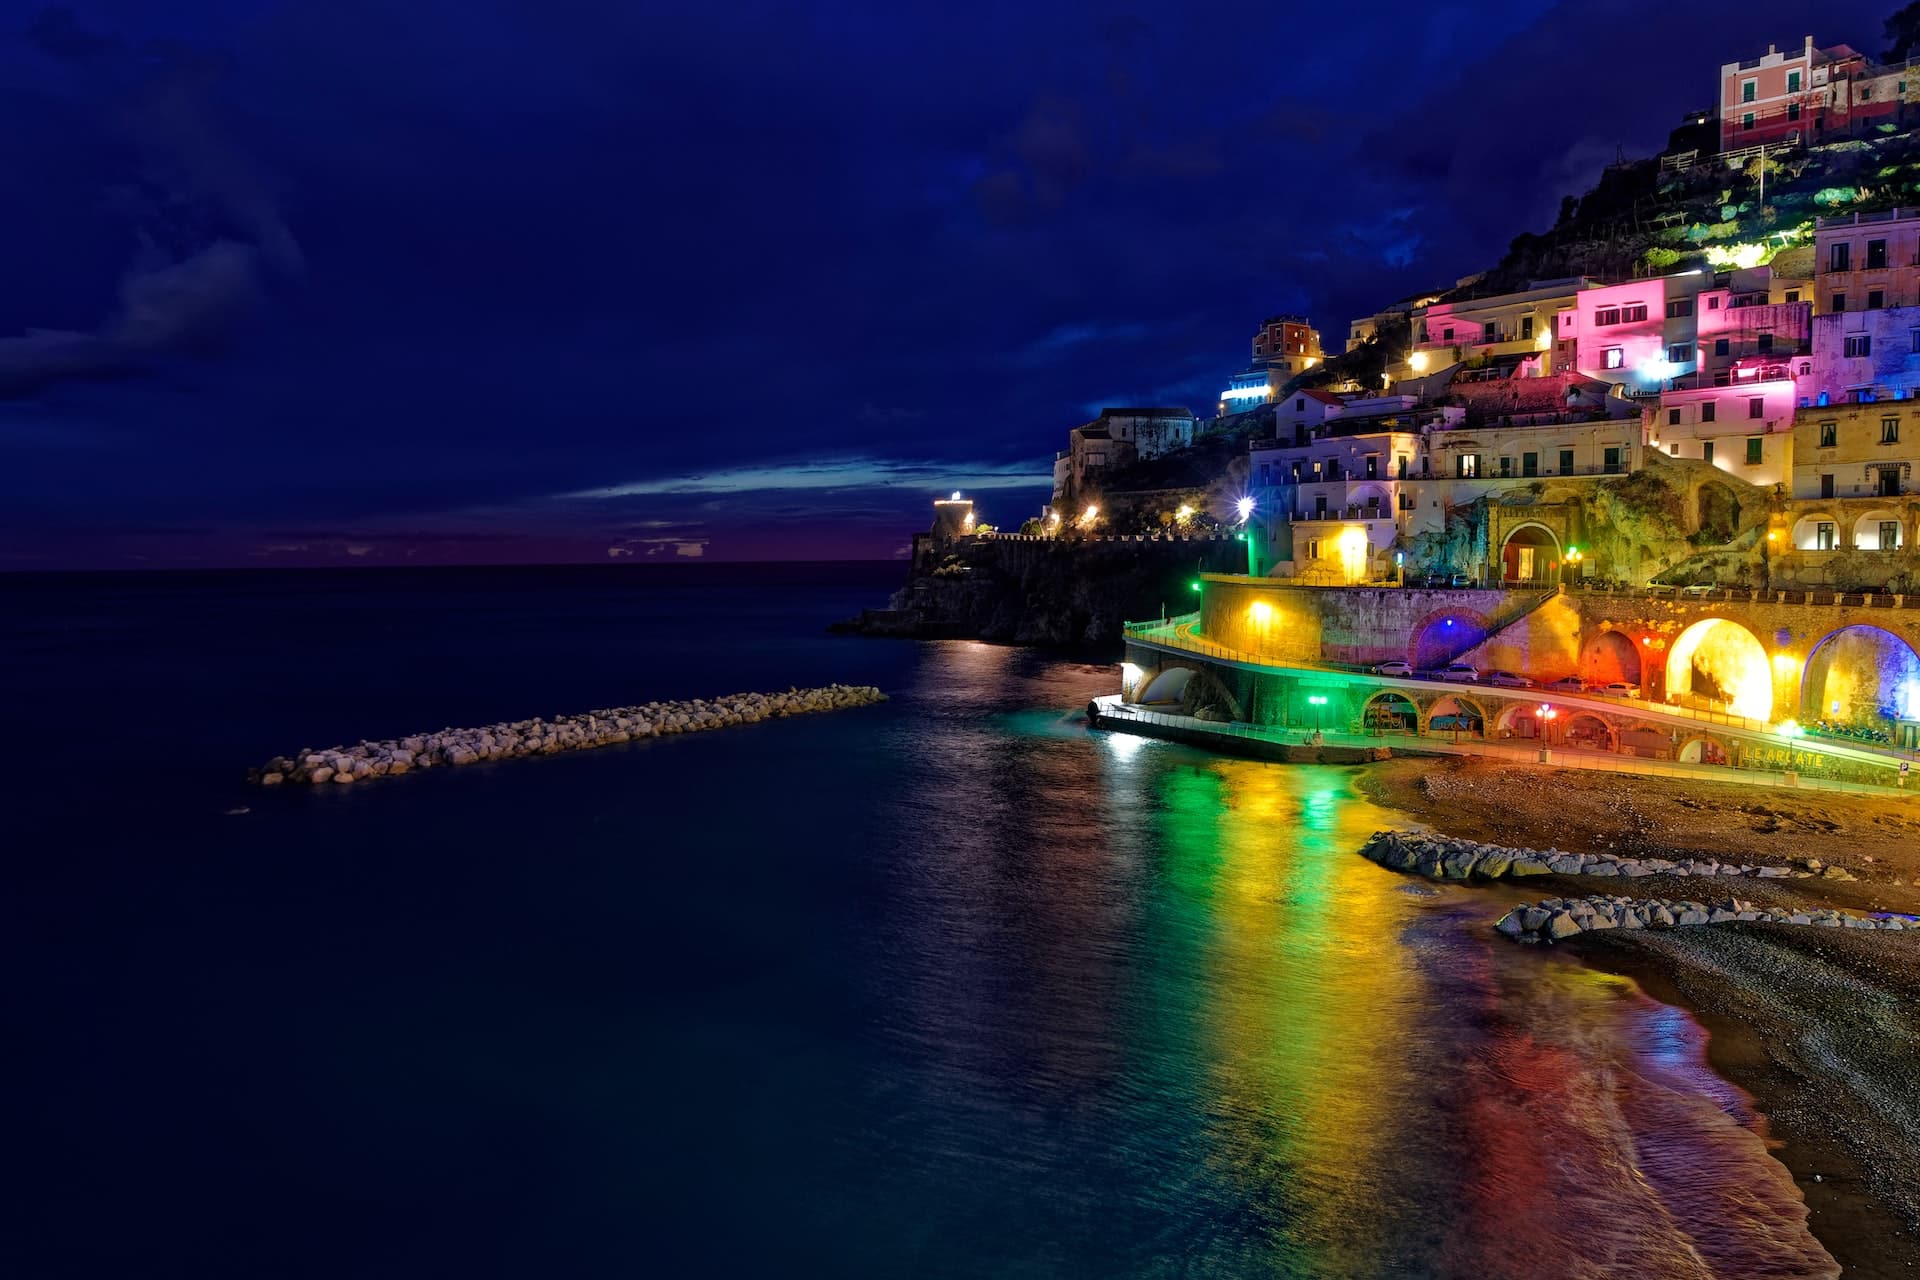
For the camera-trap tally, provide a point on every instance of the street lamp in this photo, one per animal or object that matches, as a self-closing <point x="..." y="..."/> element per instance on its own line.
<point x="1316" y="701"/>
<point x="1547" y="716"/>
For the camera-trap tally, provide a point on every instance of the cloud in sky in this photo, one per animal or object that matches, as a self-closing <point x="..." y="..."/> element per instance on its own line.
<point x="836" y="474"/>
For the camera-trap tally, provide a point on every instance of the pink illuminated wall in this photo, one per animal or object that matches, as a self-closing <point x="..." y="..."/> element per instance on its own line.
<point x="1642" y="344"/>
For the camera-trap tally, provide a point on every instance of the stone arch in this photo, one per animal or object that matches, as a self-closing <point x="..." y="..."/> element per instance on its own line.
<point x="1518" y="720"/>
<point x="1861" y="675"/>
<point x="1720" y="665"/>
<point x="1704" y="748"/>
<point x="1806" y="531"/>
<point x="1866" y="531"/>
<point x="1444" y="635"/>
<point x="1648" y="741"/>
<point x="1586" y="729"/>
<point x="1390" y="710"/>
<point x="1169" y="684"/>
<point x="1716" y="510"/>
<point x="1530" y="555"/>
<point x="1377" y="492"/>
<point x="1610" y="656"/>
<point x="1472" y="713"/>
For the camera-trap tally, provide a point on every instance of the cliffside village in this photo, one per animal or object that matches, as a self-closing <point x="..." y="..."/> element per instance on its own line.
<point x="1770" y="392"/>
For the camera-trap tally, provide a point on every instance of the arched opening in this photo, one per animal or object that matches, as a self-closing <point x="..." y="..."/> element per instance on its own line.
<point x="1165" y="689"/>
<point x="1878" y="531"/>
<point x="1371" y="502"/>
<point x="1646" y="742"/>
<point x="1444" y="637"/>
<point x="1517" y="720"/>
<point x="1530" y="556"/>
<point x="1816" y="532"/>
<point x="1455" y="714"/>
<point x="1703" y="750"/>
<point x="1717" y="665"/>
<point x="1608" y="657"/>
<point x="1391" y="712"/>
<point x="1858" y="681"/>
<point x="1589" y="733"/>
<point x="1717" y="514"/>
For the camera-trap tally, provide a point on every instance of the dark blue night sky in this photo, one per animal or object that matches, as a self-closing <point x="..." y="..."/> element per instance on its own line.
<point x="412" y="281"/>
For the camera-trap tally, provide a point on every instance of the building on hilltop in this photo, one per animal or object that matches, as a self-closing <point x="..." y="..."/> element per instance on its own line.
<point x="1866" y="337"/>
<point x="1114" y="439"/>
<point x="1807" y="95"/>
<point x="1283" y="347"/>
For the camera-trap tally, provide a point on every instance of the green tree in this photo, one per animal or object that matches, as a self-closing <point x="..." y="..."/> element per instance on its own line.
<point x="1902" y="33"/>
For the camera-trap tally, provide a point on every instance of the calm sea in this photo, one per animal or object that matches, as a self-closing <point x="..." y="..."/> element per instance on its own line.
<point x="948" y="986"/>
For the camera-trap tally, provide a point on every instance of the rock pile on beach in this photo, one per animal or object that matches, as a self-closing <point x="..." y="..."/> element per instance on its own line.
<point x="1445" y="858"/>
<point x="1552" y="919"/>
<point x="392" y="756"/>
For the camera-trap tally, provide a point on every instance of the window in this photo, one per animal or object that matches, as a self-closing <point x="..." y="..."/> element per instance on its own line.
<point x="1300" y="405"/>
<point x="1793" y="82"/>
<point x="1713" y="303"/>
<point x="1858" y="345"/>
<point x="1606" y="316"/>
<point x="1492" y="332"/>
<point x="1612" y="357"/>
<point x="1839" y="256"/>
<point x="1707" y="410"/>
<point x="1876" y="255"/>
<point x="1889" y="535"/>
<point x="1793" y="295"/>
<point x="1793" y="111"/>
<point x="1823" y="536"/>
<point x="1673" y="417"/>
<point x="1721" y="346"/>
<point x="1506" y="468"/>
<point x="1889" y="482"/>
<point x="1829" y="436"/>
<point x="1633" y="314"/>
<point x="1749" y="90"/>
<point x="1839" y="302"/>
<point x="1446" y="334"/>
<point x="1746" y="121"/>
<point x="1319" y="507"/>
<point x="1373" y="466"/>
<point x="1706" y="452"/>
<point x="1765" y="342"/>
<point x="1889" y="431"/>
<point x="1313" y="548"/>
<point x="1529" y="464"/>
<point x="1526" y="327"/>
<point x="1753" y="451"/>
<point x="1566" y="462"/>
<point x="1826" y="486"/>
<point x="1612" y="461"/>
<point x="1674" y="448"/>
<point x="1679" y="353"/>
<point x="1402" y="461"/>
<point x="1913" y="341"/>
<point x="1876" y="299"/>
<point x="1679" y="307"/>
<point x="1756" y="406"/>
<point x="1406" y="499"/>
<point x="1467" y="465"/>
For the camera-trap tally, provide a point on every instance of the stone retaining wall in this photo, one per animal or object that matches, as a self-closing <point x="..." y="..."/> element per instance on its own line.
<point x="1555" y="918"/>
<point x="392" y="756"/>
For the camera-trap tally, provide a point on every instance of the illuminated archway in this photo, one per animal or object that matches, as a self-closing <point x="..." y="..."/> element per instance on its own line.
<point x="1816" y="532"/>
<point x="1610" y="656"/>
<point x="1391" y="712"/>
<point x="1861" y="675"/>
<point x="1703" y="749"/>
<point x="1168" y="687"/>
<point x="1879" y="531"/>
<point x="1441" y="637"/>
<point x="1588" y="731"/>
<point x="1452" y="712"/>
<point x="1720" y="665"/>
<point x="1530" y="556"/>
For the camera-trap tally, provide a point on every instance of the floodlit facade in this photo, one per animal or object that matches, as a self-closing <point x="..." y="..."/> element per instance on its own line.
<point x="1687" y="330"/>
<point x="1807" y="95"/>
<point x="1514" y="330"/>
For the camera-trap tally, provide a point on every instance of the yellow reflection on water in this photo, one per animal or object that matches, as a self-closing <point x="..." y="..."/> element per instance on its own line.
<point x="1302" y="1024"/>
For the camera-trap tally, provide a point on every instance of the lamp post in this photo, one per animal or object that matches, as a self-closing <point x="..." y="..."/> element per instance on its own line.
<point x="1316" y="701"/>
<point x="1791" y="731"/>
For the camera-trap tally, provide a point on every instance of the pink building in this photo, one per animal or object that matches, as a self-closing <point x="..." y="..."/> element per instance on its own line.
<point x="1512" y="331"/>
<point x="1806" y="95"/>
<point x="1684" y="330"/>
<point x="1744" y="426"/>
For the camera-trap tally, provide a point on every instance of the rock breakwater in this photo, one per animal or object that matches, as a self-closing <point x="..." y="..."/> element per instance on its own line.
<point x="389" y="757"/>
<point x="1553" y="919"/>
<point x="1447" y="858"/>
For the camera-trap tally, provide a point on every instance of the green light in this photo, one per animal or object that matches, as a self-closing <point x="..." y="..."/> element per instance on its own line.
<point x="1317" y="700"/>
<point x="1195" y="584"/>
<point x="1573" y="551"/>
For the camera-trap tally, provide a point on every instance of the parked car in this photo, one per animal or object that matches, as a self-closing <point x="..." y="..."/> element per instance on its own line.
<point x="1619" y="689"/>
<point x="1460" y="671"/>
<point x="1699" y="589"/>
<point x="1567" y="684"/>
<point x="1509" y="680"/>
<point x="1459" y="580"/>
<point x="1393" y="668"/>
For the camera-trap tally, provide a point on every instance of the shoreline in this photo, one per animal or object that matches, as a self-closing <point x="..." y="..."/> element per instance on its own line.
<point x="1812" y="1023"/>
